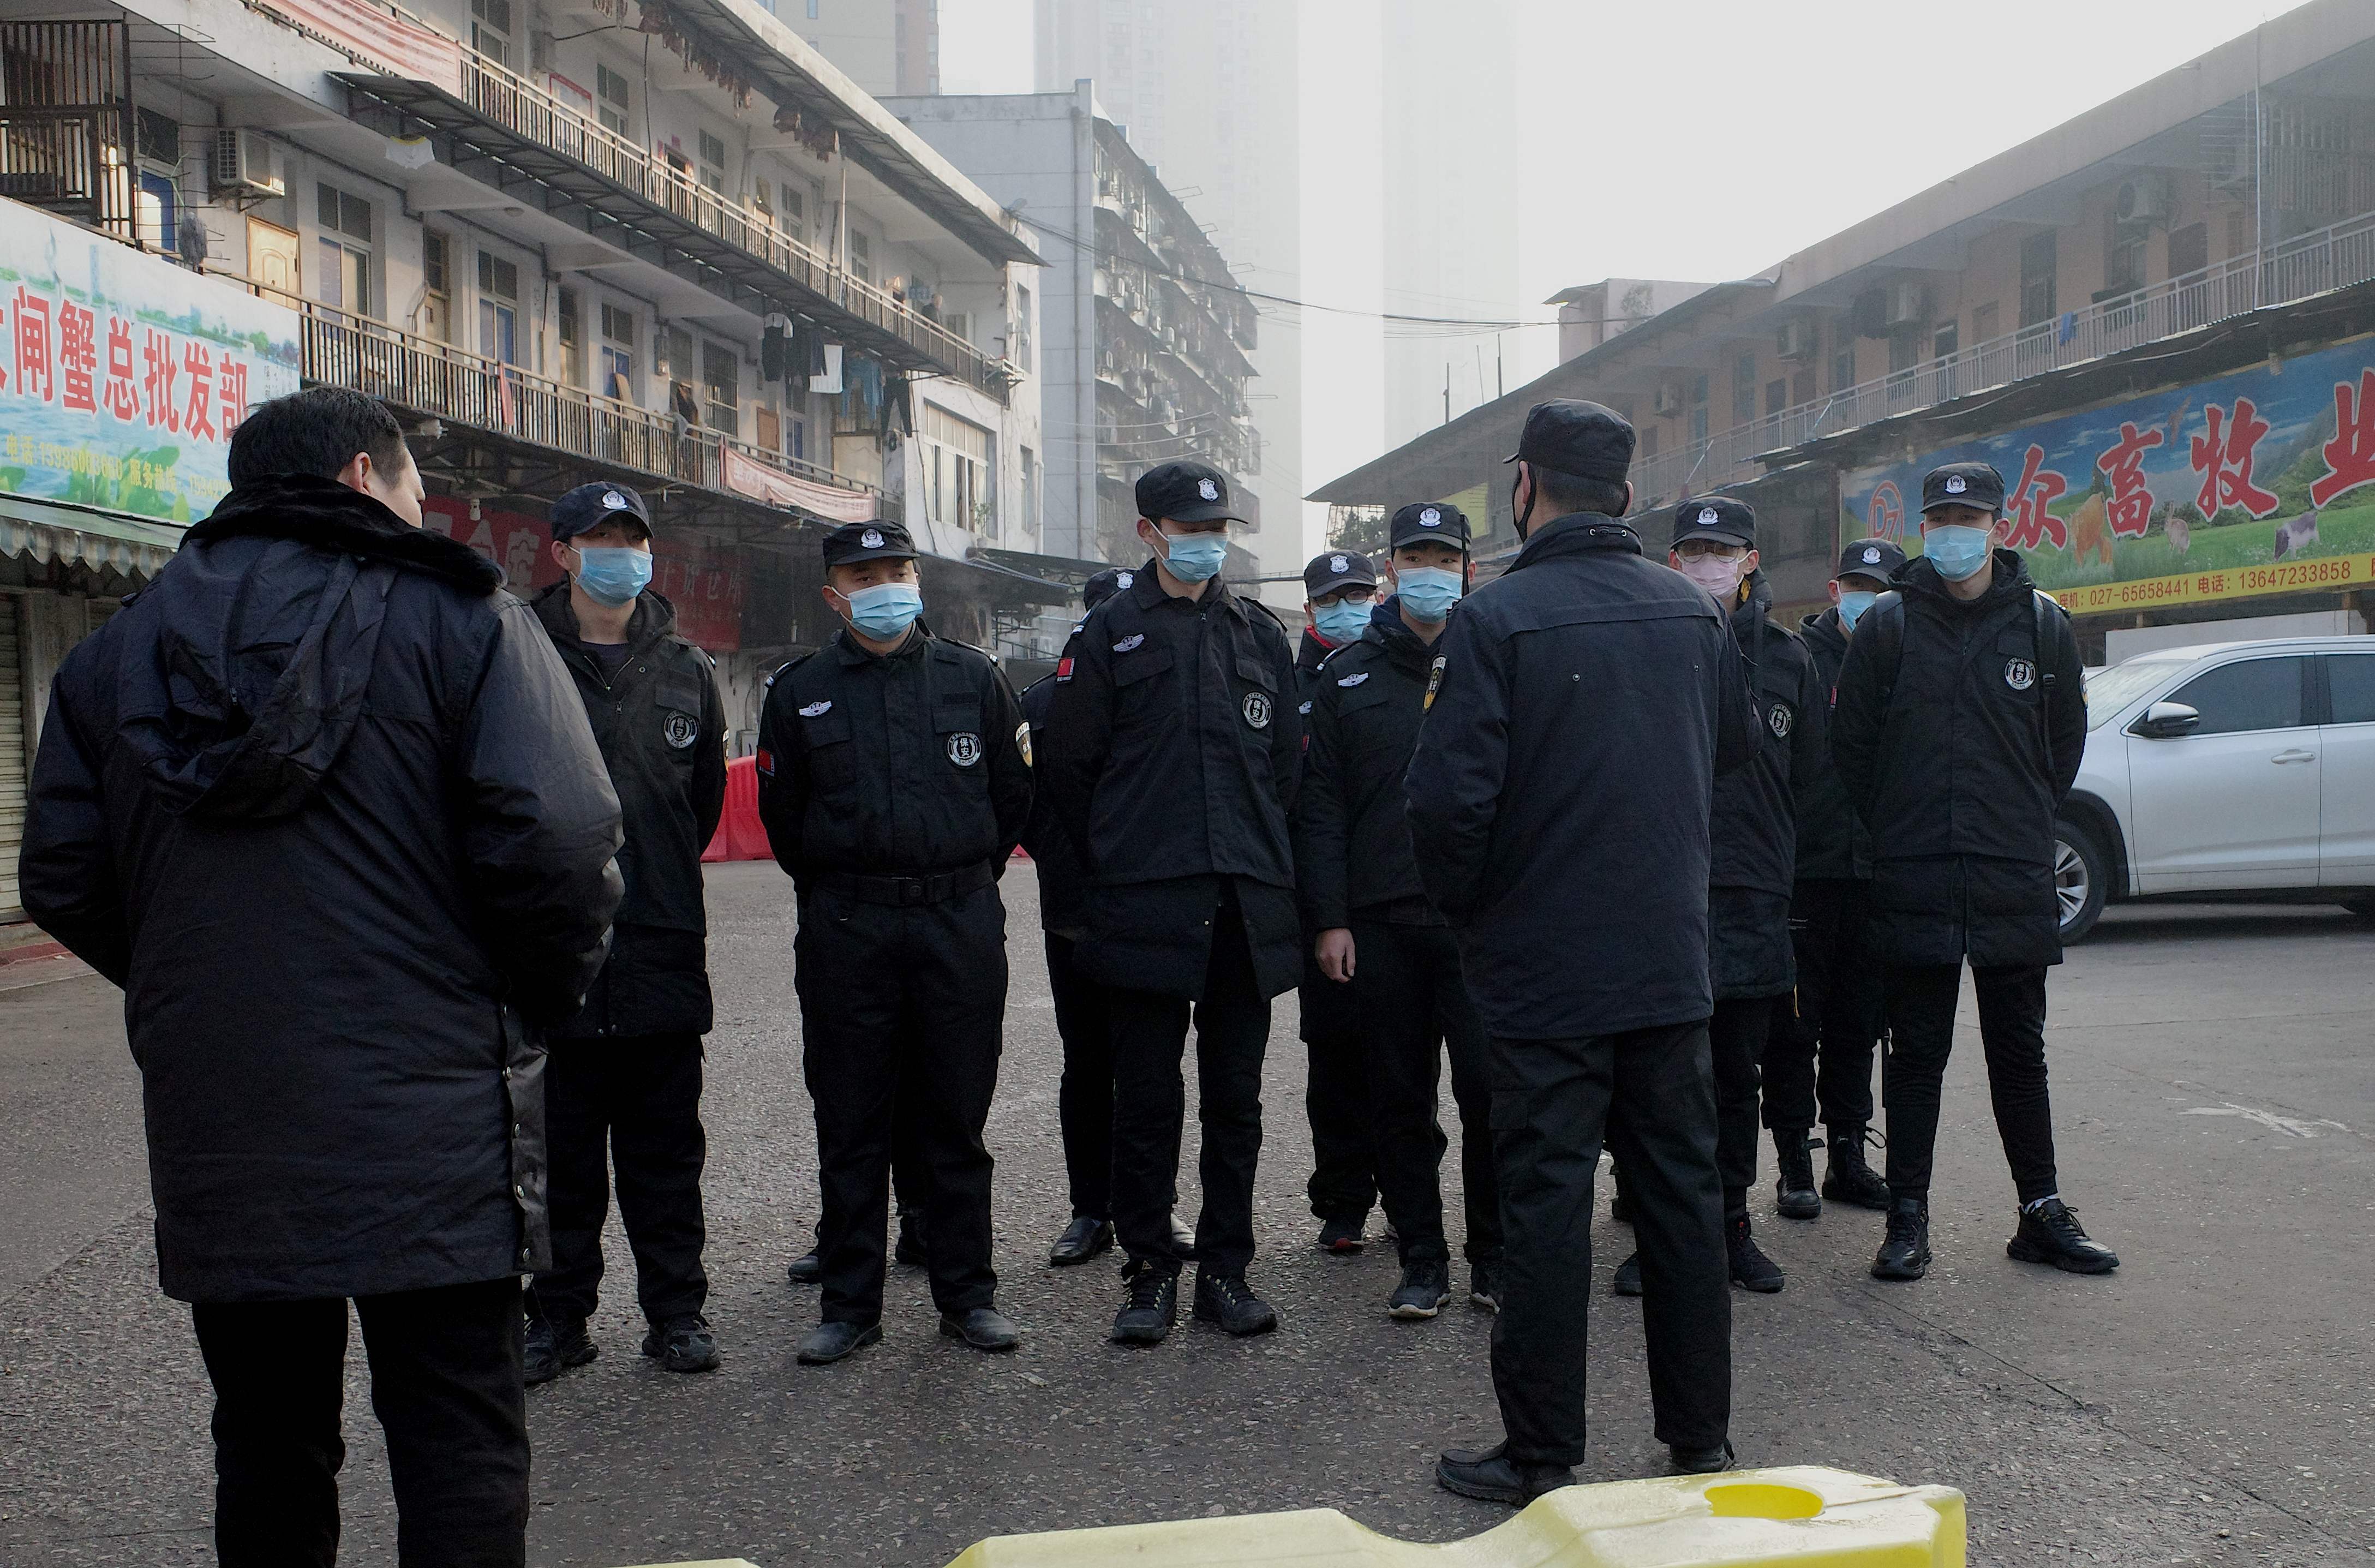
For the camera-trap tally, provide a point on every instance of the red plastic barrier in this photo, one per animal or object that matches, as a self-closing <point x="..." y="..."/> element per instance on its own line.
<point x="740" y="835"/>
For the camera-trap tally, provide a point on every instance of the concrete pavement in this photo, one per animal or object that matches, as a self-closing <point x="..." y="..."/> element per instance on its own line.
<point x="2214" y="1402"/>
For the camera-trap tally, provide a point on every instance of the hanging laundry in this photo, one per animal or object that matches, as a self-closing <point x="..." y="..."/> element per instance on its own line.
<point x="828" y="380"/>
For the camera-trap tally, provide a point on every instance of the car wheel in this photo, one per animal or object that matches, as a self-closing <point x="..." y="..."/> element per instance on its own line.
<point x="2081" y="880"/>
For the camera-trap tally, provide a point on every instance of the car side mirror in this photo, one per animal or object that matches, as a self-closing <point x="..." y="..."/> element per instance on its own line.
<point x="2166" y="721"/>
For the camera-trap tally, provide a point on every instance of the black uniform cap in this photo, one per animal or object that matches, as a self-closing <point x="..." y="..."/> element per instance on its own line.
<point x="1185" y="491"/>
<point x="853" y="542"/>
<point x="1575" y="437"/>
<point x="1104" y="586"/>
<point x="1431" y="520"/>
<point x="1717" y="517"/>
<point x="1331" y="570"/>
<point x="1970" y="484"/>
<point x="590" y="506"/>
<point x="1871" y="558"/>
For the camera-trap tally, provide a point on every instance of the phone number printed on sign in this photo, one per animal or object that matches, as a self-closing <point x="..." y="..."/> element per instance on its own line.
<point x="2329" y="571"/>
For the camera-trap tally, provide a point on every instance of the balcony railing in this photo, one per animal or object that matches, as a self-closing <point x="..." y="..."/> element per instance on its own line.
<point x="529" y="112"/>
<point x="2313" y="264"/>
<point x="436" y="379"/>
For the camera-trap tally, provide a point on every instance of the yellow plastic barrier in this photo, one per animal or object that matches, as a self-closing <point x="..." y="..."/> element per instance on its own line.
<point x="1802" y="1516"/>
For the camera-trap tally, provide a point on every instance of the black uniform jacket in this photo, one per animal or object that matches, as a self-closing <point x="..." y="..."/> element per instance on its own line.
<point x="1063" y="885"/>
<point x="1352" y="841"/>
<point x="322" y="801"/>
<point x="1753" y="830"/>
<point x="661" y="726"/>
<point x="1832" y="844"/>
<point x="1175" y="744"/>
<point x="1310" y="653"/>
<point x="1583" y="705"/>
<point x="905" y="764"/>
<point x="1959" y="771"/>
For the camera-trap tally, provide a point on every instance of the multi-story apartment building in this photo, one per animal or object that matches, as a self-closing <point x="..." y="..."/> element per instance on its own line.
<point x="1142" y="352"/>
<point x="887" y="47"/>
<point x="663" y="242"/>
<point x="2153" y="319"/>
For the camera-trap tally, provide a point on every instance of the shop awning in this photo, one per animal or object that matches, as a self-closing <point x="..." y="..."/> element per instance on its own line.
<point x="49" y="531"/>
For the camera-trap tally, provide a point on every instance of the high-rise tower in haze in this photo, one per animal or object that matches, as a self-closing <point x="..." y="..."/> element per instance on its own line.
<point x="1450" y="238"/>
<point x="1206" y="91"/>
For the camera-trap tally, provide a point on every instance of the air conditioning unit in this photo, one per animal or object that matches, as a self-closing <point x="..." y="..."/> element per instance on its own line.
<point x="1795" y="340"/>
<point x="2150" y="199"/>
<point x="1908" y="305"/>
<point x="242" y="165"/>
<point x="1668" y="399"/>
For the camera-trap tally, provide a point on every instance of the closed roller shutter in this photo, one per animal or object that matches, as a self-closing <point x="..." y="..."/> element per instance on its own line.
<point x="12" y="754"/>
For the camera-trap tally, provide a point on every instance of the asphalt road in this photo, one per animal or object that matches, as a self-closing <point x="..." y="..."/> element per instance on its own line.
<point x="2214" y="1402"/>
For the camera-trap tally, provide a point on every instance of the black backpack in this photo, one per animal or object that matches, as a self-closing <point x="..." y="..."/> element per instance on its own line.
<point x="1885" y="623"/>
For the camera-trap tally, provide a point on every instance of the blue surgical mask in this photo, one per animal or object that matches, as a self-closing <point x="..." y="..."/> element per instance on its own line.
<point x="1428" y="591"/>
<point x="1956" y="550"/>
<point x="1342" y="621"/>
<point x="613" y="574"/>
<point x="886" y="609"/>
<point x="1852" y="604"/>
<point x="1194" y="557"/>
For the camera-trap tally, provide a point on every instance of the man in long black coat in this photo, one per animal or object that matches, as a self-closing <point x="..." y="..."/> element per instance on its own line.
<point x="323" y="803"/>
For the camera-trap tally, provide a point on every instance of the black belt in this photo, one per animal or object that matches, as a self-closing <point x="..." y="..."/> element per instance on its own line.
<point x="908" y="892"/>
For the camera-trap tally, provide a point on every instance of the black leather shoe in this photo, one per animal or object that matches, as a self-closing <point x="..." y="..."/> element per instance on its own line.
<point x="1794" y="1194"/>
<point x="1150" y="1304"/>
<point x="1751" y="1269"/>
<point x="1228" y="1300"/>
<point x="1627" y="1282"/>
<point x="1848" y="1178"/>
<point x="985" y="1329"/>
<point x="1905" y="1251"/>
<point x="1484" y="1284"/>
<point x="1344" y="1237"/>
<point x="910" y="1250"/>
<point x="683" y="1344"/>
<point x="830" y="1341"/>
<point x="1082" y="1239"/>
<point x="806" y="1269"/>
<point x="1426" y="1285"/>
<point x="1700" y="1461"/>
<point x="553" y="1347"/>
<point x="1183" y="1238"/>
<point x="1620" y="1208"/>
<point x="2049" y="1234"/>
<point x="1492" y="1474"/>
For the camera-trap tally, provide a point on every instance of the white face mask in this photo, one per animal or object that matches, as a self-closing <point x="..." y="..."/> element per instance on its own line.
<point x="1718" y="574"/>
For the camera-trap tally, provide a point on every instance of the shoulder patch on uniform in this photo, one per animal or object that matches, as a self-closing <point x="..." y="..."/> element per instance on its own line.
<point x="1434" y="680"/>
<point x="1022" y="741"/>
<point x="817" y="710"/>
<point x="1303" y="708"/>
<point x="1063" y="669"/>
<point x="1354" y="680"/>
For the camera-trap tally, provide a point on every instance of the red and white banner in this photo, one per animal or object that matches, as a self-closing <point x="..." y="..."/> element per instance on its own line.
<point x="705" y="581"/>
<point x="746" y="476"/>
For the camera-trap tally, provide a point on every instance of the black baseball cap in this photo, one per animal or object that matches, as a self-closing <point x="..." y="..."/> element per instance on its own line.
<point x="1331" y="570"/>
<point x="853" y="542"/>
<point x="1437" y="521"/>
<point x="1870" y="557"/>
<point x="1717" y="517"/>
<point x="1969" y="484"/>
<point x="1104" y="586"/>
<point x="590" y="506"/>
<point x="1185" y="491"/>
<point x="1575" y="437"/>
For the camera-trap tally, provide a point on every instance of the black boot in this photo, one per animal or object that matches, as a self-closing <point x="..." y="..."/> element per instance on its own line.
<point x="554" y="1345"/>
<point x="1626" y="1282"/>
<point x="1849" y="1179"/>
<point x="1084" y="1238"/>
<point x="1492" y="1474"/>
<point x="1904" y="1252"/>
<point x="1228" y="1300"/>
<point x="910" y="1250"/>
<point x="1426" y="1285"/>
<point x="1751" y="1269"/>
<point x="1150" y="1303"/>
<point x="2049" y="1234"/>
<point x="1794" y="1194"/>
<point x="683" y="1343"/>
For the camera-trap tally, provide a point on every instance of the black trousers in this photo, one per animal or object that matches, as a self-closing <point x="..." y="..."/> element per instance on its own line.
<point x="1415" y="1010"/>
<point x="1819" y="1058"/>
<point x="902" y="1011"/>
<point x="1150" y="1041"/>
<point x="1085" y="1100"/>
<point x="1552" y="1100"/>
<point x="632" y="1106"/>
<point x="1736" y="1039"/>
<point x="445" y="1385"/>
<point x="1337" y="1097"/>
<point x="1921" y="1033"/>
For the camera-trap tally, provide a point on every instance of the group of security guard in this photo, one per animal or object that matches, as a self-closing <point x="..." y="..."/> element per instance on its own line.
<point x="1635" y="860"/>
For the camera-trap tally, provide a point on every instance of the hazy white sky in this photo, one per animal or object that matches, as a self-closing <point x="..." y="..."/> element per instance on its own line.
<point x="1704" y="139"/>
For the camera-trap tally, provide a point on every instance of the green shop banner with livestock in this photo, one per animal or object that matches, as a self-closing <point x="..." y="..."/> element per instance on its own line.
<point x="123" y="375"/>
<point x="2259" y="482"/>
